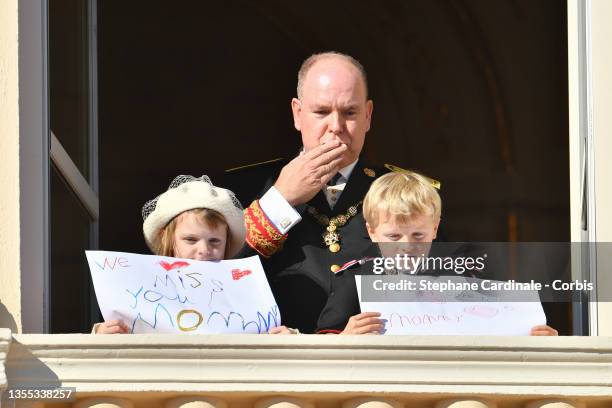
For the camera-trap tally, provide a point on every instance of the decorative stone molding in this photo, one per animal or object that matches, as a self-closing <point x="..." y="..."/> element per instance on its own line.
<point x="29" y="404"/>
<point x="371" y="403"/>
<point x="283" y="402"/>
<point x="549" y="403"/>
<point x="195" y="402"/>
<point x="339" y="368"/>
<point x="465" y="403"/>
<point x="103" y="402"/>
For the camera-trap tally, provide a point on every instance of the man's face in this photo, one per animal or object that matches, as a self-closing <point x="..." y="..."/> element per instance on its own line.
<point x="333" y="106"/>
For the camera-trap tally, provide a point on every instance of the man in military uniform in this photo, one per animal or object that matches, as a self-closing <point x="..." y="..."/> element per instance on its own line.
<point x="307" y="221"/>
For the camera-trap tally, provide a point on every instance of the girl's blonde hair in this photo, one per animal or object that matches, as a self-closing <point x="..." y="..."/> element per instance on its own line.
<point x="210" y="218"/>
<point x="401" y="195"/>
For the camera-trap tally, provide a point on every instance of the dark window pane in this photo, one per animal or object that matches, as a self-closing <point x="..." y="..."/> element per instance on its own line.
<point x="69" y="273"/>
<point x="68" y="78"/>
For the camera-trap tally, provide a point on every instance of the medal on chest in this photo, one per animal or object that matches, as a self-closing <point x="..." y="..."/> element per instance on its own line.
<point x="331" y="236"/>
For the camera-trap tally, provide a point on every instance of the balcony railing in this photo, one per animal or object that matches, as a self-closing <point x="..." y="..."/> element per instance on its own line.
<point x="307" y="371"/>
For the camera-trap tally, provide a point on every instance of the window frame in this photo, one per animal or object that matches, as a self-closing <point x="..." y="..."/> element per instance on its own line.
<point x="39" y="148"/>
<point x="582" y="163"/>
<point x="36" y="143"/>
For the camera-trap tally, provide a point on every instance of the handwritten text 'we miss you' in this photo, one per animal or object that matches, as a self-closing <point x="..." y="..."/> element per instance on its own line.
<point x="169" y="285"/>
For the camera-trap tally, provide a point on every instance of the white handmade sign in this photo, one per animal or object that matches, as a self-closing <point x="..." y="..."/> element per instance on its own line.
<point x="458" y="312"/>
<point x="156" y="294"/>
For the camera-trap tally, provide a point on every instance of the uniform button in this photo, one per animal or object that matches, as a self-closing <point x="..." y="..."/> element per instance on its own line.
<point x="332" y="294"/>
<point x="335" y="268"/>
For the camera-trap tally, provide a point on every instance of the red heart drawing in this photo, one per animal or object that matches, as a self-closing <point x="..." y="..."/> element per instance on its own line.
<point x="237" y="273"/>
<point x="174" y="265"/>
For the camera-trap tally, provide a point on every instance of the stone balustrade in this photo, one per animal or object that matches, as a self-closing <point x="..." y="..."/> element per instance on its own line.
<point x="309" y="371"/>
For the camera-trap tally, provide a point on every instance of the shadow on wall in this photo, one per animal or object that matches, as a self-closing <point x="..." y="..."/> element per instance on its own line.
<point x="6" y="319"/>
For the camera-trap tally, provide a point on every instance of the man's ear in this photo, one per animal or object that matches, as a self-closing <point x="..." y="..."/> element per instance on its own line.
<point x="296" y="108"/>
<point x="369" y="109"/>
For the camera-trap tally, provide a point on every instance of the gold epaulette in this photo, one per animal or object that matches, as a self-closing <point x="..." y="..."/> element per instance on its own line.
<point x="435" y="183"/>
<point x="253" y="165"/>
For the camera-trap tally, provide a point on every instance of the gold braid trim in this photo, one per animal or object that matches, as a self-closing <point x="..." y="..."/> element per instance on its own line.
<point x="261" y="235"/>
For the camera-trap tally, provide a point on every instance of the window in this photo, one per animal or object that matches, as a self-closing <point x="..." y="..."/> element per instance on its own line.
<point x="74" y="209"/>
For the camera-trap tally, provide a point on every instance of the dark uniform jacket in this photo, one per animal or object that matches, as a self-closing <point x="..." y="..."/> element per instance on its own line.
<point x="343" y="301"/>
<point x="300" y="273"/>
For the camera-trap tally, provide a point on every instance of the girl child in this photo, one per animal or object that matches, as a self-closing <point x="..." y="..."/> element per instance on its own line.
<point x="193" y="219"/>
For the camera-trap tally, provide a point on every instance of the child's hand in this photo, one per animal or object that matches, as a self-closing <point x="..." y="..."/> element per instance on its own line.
<point x="282" y="330"/>
<point x="543" y="330"/>
<point x="112" y="327"/>
<point x="364" y="323"/>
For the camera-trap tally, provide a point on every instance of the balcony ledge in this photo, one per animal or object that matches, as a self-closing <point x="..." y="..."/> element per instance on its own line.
<point x="457" y="365"/>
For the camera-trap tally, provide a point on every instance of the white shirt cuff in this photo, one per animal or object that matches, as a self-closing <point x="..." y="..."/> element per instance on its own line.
<point x="282" y="215"/>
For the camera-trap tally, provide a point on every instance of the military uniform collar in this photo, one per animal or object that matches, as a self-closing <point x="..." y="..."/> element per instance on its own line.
<point x="346" y="171"/>
<point x="355" y="189"/>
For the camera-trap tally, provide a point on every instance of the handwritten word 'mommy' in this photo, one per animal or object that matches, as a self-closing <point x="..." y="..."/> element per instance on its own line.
<point x="263" y="324"/>
<point x="424" y="319"/>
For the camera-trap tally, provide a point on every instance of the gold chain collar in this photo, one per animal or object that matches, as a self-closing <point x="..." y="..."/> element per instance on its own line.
<point x="331" y="237"/>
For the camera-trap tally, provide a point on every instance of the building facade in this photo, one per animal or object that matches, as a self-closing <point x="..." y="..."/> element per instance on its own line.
<point x="301" y="371"/>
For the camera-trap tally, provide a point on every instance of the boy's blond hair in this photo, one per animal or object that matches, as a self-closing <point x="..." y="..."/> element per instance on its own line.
<point x="208" y="217"/>
<point x="401" y="195"/>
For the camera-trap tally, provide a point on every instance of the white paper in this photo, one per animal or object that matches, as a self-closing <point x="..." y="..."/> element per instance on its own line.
<point x="433" y="313"/>
<point x="156" y="294"/>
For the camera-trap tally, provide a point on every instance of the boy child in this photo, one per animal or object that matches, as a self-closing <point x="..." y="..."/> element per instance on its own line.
<point x="401" y="210"/>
